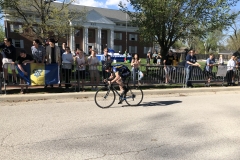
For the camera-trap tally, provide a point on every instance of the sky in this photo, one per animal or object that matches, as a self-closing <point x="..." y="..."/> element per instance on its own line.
<point x="111" y="4"/>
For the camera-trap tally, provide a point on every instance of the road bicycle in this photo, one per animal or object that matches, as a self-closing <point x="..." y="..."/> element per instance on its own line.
<point x="106" y="96"/>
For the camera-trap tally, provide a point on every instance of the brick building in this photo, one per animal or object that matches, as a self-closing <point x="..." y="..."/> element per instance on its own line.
<point x="103" y="28"/>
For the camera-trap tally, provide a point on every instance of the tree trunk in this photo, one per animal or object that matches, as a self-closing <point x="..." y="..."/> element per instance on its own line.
<point x="164" y="51"/>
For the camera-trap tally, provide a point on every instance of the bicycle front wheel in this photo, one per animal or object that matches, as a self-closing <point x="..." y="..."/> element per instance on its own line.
<point x="134" y="96"/>
<point x="104" y="97"/>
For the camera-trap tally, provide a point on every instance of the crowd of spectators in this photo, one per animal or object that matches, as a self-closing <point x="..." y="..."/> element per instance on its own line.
<point x="69" y="61"/>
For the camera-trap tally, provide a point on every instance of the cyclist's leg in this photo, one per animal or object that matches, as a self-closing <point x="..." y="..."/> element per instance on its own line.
<point x="121" y="84"/>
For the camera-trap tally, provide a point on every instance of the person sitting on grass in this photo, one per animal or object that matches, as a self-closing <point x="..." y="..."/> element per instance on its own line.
<point x="119" y="73"/>
<point x="22" y="60"/>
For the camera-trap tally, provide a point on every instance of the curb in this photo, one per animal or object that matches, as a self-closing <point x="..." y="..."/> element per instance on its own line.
<point x="85" y="95"/>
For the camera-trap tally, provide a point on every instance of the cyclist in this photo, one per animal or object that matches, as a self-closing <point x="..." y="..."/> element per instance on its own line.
<point x="119" y="73"/>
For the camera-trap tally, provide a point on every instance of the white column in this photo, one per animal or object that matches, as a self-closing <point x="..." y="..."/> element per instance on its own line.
<point x="96" y="39"/>
<point x="112" y="39"/>
<point x="108" y="38"/>
<point x="85" y="40"/>
<point x="99" y="40"/>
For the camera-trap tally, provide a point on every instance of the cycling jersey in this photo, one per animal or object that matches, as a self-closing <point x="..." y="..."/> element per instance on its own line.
<point x="123" y="70"/>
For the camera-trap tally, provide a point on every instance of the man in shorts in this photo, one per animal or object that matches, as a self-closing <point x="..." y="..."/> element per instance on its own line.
<point x="119" y="73"/>
<point x="9" y="57"/>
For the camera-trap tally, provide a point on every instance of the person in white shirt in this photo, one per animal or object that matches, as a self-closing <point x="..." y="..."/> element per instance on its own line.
<point x="93" y="62"/>
<point x="231" y="68"/>
<point x="81" y="62"/>
<point x="220" y="60"/>
<point x="67" y="61"/>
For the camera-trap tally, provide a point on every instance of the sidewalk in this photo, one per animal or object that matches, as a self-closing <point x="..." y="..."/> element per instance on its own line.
<point x="147" y="92"/>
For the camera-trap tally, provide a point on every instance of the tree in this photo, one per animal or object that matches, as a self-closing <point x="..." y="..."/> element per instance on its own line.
<point x="2" y="33"/>
<point x="172" y="20"/>
<point x="233" y="41"/>
<point x="43" y="17"/>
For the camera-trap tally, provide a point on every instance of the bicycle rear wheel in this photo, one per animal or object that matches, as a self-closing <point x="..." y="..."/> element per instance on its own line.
<point x="104" y="97"/>
<point x="134" y="96"/>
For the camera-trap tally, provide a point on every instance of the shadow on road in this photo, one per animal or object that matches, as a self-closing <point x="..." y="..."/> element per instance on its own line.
<point x="156" y="103"/>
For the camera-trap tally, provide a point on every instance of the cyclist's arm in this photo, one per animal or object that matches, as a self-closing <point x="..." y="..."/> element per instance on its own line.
<point x="112" y="76"/>
<point x="117" y="76"/>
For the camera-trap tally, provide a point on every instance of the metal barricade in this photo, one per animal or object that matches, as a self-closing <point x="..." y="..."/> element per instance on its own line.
<point x="159" y="74"/>
<point x="215" y="75"/>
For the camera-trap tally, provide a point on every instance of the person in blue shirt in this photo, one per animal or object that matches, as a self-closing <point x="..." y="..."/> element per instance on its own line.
<point x="208" y="68"/>
<point x="191" y="61"/>
<point x="119" y="73"/>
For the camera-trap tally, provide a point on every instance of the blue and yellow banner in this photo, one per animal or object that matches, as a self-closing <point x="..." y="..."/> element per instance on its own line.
<point x="40" y="74"/>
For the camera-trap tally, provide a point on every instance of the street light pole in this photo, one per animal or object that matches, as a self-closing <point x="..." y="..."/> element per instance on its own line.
<point x="205" y="47"/>
<point x="126" y="28"/>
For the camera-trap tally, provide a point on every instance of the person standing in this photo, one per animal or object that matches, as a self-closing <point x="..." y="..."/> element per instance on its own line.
<point x="191" y="61"/>
<point x="220" y="60"/>
<point x="106" y="58"/>
<point x="22" y="60"/>
<point x="81" y="67"/>
<point x="9" y="58"/>
<point x="154" y="56"/>
<point x="208" y="68"/>
<point x="67" y="61"/>
<point x="38" y="52"/>
<point x="94" y="73"/>
<point x="168" y="62"/>
<point x="231" y="68"/>
<point x="136" y="62"/>
<point x="148" y="58"/>
<point x="52" y="54"/>
<point x="159" y="57"/>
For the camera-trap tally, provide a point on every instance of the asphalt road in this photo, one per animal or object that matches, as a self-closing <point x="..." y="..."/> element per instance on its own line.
<point x="163" y="127"/>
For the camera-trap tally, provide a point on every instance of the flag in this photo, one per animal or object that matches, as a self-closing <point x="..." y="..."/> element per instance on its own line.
<point x="40" y="74"/>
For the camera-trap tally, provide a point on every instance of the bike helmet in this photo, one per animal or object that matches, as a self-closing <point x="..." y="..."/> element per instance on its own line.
<point x="107" y="66"/>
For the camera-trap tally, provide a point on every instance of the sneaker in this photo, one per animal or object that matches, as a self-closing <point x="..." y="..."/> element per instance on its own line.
<point x="51" y="85"/>
<point x="14" y="82"/>
<point x="45" y="86"/>
<point x="121" y="99"/>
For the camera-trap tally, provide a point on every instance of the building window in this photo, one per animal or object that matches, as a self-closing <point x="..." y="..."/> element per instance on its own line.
<point x="132" y="49"/>
<point x="90" y="34"/>
<point x="77" y="46"/>
<point x="117" y="48"/>
<point x="133" y="37"/>
<point x="117" y="36"/>
<point x="103" y="35"/>
<point x="18" y="43"/>
<point x="16" y="28"/>
<point x="77" y="33"/>
<point x="118" y="24"/>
